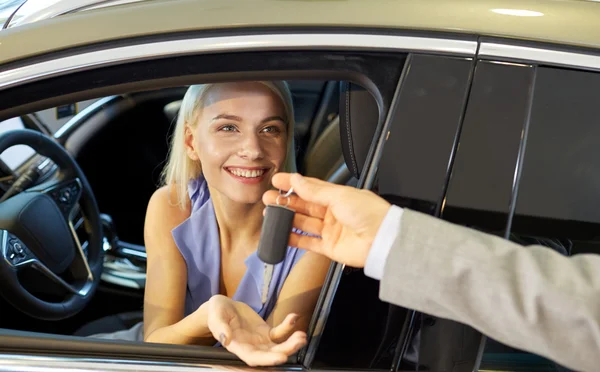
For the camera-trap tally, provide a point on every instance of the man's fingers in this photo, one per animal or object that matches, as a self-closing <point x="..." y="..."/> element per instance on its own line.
<point x="312" y="190"/>
<point x="315" y="190"/>
<point x="309" y="225"/>
<point x="281" y="181"/>
<point x="309" y="243"/>
<point x="295" y="203"/>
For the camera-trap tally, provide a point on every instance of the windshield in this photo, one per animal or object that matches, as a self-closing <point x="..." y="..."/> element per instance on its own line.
<point x="35" y="10"/>
<point x="7" y="7"/>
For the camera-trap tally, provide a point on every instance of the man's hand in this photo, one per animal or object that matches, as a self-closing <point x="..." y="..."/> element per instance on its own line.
<point x="346" y="219"/>
<point x="243" y="332"/>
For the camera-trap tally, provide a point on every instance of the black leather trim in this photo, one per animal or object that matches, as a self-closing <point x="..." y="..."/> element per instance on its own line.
<point x="359" y="116"/>
<point x="62" y="345"/>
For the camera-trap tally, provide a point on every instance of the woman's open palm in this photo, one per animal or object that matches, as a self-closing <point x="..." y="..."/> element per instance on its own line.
<point x="243" y="332"/>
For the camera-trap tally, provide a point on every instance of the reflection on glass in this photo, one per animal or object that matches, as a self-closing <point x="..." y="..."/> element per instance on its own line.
<point x="518" y="12"/>
<point x="7" y="8"/>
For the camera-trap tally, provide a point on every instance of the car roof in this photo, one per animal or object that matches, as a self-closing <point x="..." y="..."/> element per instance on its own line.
<point x="565" y="22"/>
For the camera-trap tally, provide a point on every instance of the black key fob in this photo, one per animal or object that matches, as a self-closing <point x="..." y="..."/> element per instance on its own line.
<point x="275" y="234"/>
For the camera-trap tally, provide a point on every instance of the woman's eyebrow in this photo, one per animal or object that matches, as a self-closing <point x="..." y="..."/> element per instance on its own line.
<point x="227" y="116"/>
<point x="237" y="118"/>
<point x="273" y="118"/>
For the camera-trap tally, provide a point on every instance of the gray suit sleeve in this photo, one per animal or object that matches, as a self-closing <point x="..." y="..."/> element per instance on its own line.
<point x="531" y="298"/>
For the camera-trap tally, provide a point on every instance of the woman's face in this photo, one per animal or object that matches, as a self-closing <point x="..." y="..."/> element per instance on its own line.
<point x="240" y="139"/>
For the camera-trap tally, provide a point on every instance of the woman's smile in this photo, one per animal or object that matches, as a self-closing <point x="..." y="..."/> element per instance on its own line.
<point x="247" y="175"/>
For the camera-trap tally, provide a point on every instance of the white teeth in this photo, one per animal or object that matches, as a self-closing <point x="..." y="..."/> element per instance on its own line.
<point x="247" y="173"/>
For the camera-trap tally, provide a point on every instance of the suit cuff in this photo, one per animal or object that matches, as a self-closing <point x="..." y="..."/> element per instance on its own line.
<point x="386" y="235"/>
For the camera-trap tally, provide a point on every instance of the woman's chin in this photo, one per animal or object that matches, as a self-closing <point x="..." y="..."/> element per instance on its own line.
<point x="247" y="198"/>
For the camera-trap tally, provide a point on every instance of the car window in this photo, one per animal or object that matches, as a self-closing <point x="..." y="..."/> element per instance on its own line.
<point x="413" y="173"/>
<point x="559" y="181"/>
<point x="528" y="163"/>
<point x="7" y="8"/>
<point x="561" y="167"/>
<point x="120" y="141"/>
<point x="101" y="142"/>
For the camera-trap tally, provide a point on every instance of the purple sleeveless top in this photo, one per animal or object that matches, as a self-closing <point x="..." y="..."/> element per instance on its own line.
<point x="198" y="241"/>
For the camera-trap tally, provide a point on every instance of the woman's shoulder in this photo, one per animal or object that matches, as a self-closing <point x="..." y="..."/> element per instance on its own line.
<point x="164" y="205"/>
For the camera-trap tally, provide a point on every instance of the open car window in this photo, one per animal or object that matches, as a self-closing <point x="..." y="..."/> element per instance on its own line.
<point x="96" y="120"/>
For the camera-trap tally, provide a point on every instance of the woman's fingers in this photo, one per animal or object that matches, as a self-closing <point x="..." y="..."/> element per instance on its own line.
<point x="294" y="343"/>
<point x="253" y="356"/>
<point x="218" y="323"/>
<point x="283" y="330"/>
<point x="222" y="333"/>
<point x="277" y="354"/>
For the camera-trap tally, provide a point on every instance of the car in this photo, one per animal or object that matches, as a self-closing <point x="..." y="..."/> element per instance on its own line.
<point x="482" y="113"/>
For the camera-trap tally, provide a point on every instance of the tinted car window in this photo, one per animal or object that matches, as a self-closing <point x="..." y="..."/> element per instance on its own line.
<point x="480" y="189"/>
<point x="560" y="177"/>
<point x="561" y="168"/>
<point x="524" y="115"/>
<point x="412" y="173"/>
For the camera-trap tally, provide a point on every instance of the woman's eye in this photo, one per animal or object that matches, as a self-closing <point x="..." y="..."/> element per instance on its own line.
<point x="271" y="130"/>
<point x="227" y="128"/>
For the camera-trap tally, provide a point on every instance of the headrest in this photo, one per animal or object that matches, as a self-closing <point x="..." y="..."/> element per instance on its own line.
<point x="171" y="110"/>
<point x="359" y="116"/>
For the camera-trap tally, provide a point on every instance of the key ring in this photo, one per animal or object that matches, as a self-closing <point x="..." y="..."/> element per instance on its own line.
<point x="286" y="196"/>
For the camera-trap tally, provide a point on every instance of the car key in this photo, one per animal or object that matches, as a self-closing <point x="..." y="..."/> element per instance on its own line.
<point x="274" y="236"/>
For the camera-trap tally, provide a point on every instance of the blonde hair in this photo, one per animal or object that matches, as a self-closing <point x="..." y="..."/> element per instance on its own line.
<point x="180" y="169"/>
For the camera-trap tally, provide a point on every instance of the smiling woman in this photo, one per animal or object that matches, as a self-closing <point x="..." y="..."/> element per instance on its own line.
<point x="203" y="226"/>
<point x="214" y="118"/>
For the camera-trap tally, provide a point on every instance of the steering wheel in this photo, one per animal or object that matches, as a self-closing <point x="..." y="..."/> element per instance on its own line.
<point x="37" y="232"/>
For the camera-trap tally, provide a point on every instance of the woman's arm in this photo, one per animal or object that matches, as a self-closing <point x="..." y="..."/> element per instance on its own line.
<point x="300" y="292"/>
<point x="166" y="279"/>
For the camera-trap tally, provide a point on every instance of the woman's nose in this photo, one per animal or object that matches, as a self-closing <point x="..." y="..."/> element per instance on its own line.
<point x="251" y="147"/>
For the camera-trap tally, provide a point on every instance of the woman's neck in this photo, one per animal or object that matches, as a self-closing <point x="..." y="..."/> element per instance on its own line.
<point x="239" y="224"/>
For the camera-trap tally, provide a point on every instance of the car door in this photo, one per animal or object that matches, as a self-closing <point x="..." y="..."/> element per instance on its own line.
<point x="526" y="167"/>
<point x="512" y="155"/>
<point x="377" y="62"/>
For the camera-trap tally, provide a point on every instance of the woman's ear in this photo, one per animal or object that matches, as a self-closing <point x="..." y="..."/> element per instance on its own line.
<point x="190" y="147"/>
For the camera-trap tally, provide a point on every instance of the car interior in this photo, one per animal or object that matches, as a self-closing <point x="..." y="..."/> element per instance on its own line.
<point x="120" y="143"/>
